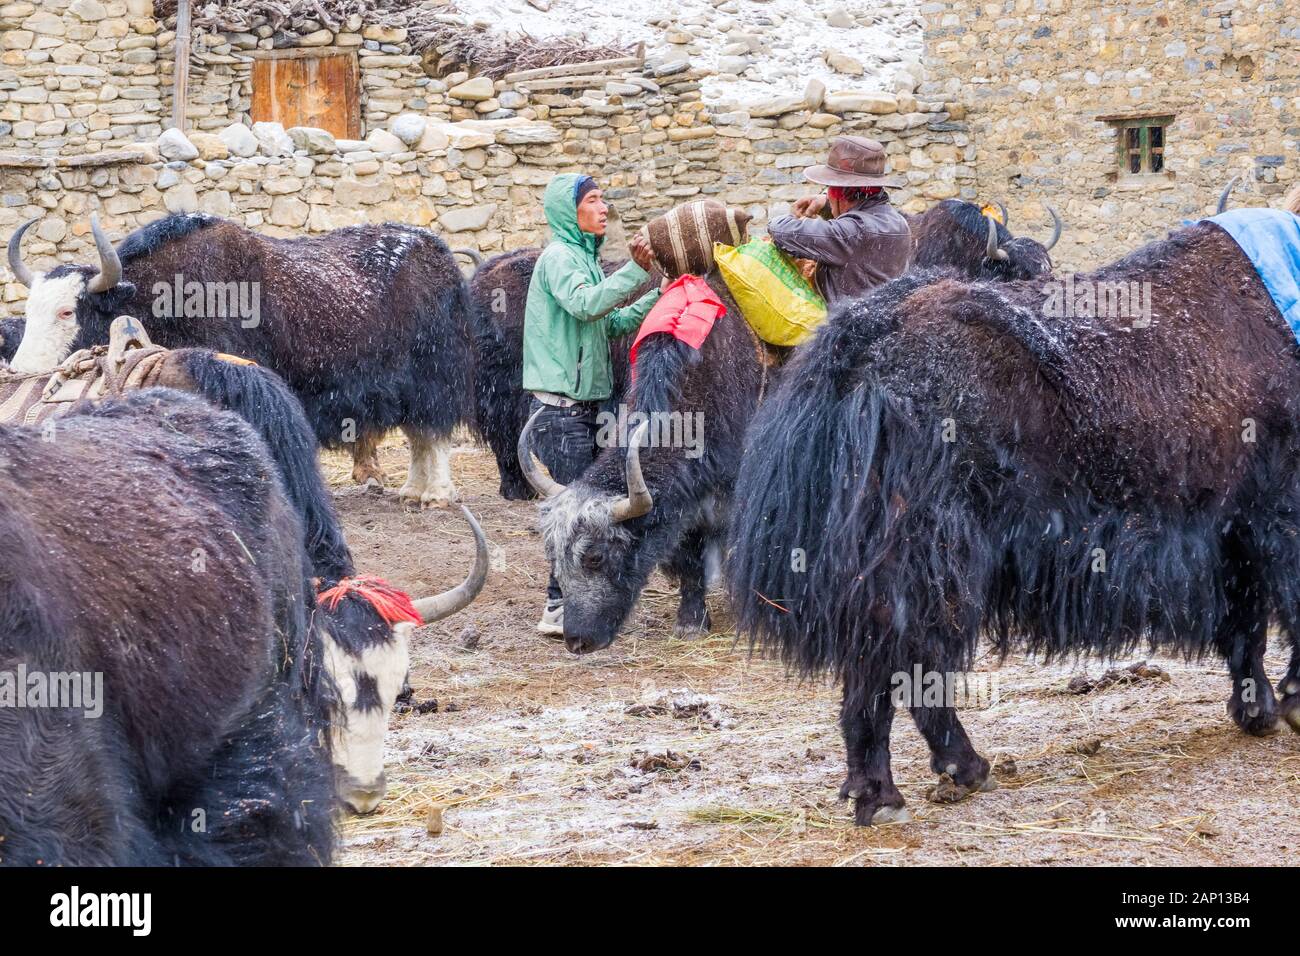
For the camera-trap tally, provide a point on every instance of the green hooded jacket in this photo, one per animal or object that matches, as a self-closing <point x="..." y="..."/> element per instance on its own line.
<point x="570" y="315"/>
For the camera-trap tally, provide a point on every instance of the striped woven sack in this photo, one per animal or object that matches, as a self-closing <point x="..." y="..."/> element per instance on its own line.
<point x="682" y="239"/>
<point x="127" y="363"/>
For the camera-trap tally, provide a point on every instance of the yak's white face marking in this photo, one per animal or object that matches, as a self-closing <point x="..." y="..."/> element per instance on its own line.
<point x="51" y="322"/>
<point x="358" y="735"/>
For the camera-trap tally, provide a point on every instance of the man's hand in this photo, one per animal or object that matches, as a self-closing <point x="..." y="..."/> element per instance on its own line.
<point x="809" y="207"/>
<point x="639" y="248"/>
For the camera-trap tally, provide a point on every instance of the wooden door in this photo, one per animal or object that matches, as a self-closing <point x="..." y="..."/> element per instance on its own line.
<point x="320" y="91"/>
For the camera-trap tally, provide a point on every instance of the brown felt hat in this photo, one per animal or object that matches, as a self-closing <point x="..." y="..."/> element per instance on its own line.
<point x="854" y="161"/>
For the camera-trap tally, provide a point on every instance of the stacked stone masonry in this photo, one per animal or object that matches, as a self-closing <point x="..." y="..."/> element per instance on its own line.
<point x="463" y="155"/>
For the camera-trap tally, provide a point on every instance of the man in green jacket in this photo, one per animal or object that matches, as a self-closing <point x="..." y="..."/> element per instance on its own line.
<point x="569" y="319"/>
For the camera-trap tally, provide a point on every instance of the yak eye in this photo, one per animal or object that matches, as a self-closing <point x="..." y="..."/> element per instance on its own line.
<point x="592" y="560"/>
<point x="66" y="314"/>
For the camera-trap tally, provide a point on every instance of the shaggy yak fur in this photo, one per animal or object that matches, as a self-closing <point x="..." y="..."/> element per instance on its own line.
<point x="953" y="464"/>
<point x="171" y="563"/>
<point x="498" y="293"/>
<point x="954" y="235"/>
<point x="602" y="565"/>
<point x="368" y="325"/>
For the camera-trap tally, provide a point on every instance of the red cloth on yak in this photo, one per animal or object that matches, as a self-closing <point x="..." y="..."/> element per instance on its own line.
<point x="686" y="311"/>
<point x="392" y="604"/>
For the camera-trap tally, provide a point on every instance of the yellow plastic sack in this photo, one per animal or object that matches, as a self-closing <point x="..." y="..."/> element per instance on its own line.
<point x="780" y="305"/>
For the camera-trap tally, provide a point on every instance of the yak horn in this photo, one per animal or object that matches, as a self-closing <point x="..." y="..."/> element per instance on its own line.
<point x="993" y="252"/>
<point x="472" y="255"/>
<point x="1006" y="217"/>
<point x="1223" y="196"/>
<point x="110" y="266"/>
<point x="638" y="500"/>
<point x="447" y="603"/>
<point x="1056" y="227"/>
<point x="542" y="483"/>
<point x="16" y="265"/>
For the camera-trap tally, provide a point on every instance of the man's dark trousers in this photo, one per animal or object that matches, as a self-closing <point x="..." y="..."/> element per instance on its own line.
<point x="565" y="440"/>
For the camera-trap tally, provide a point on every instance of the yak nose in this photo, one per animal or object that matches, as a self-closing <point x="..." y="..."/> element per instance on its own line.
<point x="585" y="644"/>
<point x="363" y="800"/>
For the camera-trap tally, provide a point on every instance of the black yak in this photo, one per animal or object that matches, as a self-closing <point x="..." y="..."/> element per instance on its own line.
<point x="369" y="325"/>
<point x="946" y="460"/>
<point x="659" y="490"/>
<point x="957" y="235"/>
<point x="951" y="234"/>
<point x="367" y="625"/>
<point x="148" y="541"/>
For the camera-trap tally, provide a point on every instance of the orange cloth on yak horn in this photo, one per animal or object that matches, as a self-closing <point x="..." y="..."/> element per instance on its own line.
<point x="686" y="311"/>
<point x="392" y="604"/>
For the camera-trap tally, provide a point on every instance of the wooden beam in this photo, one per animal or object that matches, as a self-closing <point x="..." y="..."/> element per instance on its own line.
<point x="570" y="82"/>
<point x="181" y="77"/>
<point x="570" y="69"/>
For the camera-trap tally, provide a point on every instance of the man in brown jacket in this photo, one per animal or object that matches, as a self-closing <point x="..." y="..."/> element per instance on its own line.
<point x="857" y="239"/>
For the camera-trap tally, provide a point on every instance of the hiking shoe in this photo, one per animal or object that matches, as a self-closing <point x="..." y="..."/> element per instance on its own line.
<point x="552" y="622"/>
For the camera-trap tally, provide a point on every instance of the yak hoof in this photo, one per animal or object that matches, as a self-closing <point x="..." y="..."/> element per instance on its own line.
<point x="890" y="815"/>
<point x="427" y="498"/>
<point x="365" y="475"/>
<point x="1261" y="723"/>
<point x="1290" y="710"/>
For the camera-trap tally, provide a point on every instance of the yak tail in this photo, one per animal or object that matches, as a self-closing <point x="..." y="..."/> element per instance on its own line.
<point x="843" y="529"/>
<point x="261" y="398"/>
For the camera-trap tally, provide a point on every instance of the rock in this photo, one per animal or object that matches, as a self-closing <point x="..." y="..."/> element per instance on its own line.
<point x="475" y="90"/>
<point x="733" y="64"/>
<point x="408" y="127"/>
<point x="239" y="139"/>
<point x="615" y="88"/>
<point x="841" y="19"/>
<point x="854" y="101"/>
<point x="289" y="211"/>
<point x="843" y="63"/>
<point x="272" y="139"/>
<point x="312" y="139"/>
<point x="814" y="94"/>
<point x="173" y="146"/>
<point x="382" y="141"/>
<point x="317" y="38"/>
<point x="210" y="146"/>
<point x="181" y="198"/>
<point x="528" y="134"/>
<point x="433" y="139"/>
<point x="89" y="10"/>
<point x="512" y="100"/>
<point x="466" y="218"/>
<point x="384" y="34"/>
<point x="776" y="106"/>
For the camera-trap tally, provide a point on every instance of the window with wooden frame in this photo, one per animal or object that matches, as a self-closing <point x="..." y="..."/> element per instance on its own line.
<point x="308" y="88"/>
<point x="1141" y="144"/>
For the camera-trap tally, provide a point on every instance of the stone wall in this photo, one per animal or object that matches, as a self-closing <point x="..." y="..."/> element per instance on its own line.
<point x="649" y="139"/>
<point x="78" y="76"/>
<point x="1036" y="75"/>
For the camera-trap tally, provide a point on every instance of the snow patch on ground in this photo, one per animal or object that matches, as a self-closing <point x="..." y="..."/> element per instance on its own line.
<point x="786" y="40"/>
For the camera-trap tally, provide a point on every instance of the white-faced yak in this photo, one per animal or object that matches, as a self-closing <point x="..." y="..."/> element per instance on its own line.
<point x="369" y="325"/>
<point x="167" y="704"/>
<point x="366" y="623"/>
<point x="660" y="488"/>
<point x="947" y="460"/>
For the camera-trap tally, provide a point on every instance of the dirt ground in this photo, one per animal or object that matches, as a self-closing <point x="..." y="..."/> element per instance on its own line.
<point x="660" y="751"/>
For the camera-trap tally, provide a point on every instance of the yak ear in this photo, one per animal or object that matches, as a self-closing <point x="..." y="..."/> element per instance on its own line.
<point x="115" y="299"/>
